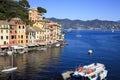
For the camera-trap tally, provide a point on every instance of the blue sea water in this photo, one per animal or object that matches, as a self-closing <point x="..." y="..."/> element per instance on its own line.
<point x="105" y="46"/>
<point x="37" y="65"/>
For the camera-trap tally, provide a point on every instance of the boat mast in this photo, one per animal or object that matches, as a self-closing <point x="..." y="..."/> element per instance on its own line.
<point x="12" y="60"/>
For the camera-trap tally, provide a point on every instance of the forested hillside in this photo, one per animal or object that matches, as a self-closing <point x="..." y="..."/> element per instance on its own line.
<point x="16" y="8"/>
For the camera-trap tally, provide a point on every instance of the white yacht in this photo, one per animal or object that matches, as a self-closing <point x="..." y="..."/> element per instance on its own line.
<point x="90" y="72"/>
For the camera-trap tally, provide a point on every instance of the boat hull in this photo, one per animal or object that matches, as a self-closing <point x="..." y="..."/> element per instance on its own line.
<point x="9" y="69"/>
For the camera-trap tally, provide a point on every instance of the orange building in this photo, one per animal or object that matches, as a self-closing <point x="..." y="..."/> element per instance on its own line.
<point x="20" y="30"/>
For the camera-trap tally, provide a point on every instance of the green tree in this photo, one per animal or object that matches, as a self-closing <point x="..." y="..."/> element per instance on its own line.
<point x="16" y="8"/>
<point x="24" y="3"/>
<point x="41" y="10"/>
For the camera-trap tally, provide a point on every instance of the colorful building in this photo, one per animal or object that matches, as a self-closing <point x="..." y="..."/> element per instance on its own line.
<point x="13" y="35"/>
<point x="4" y="34"/>
<point x="55" y="31"/>
<point x="33" y="36"/>
<point x="21" y="31"/>
<point x="34" y="15"/>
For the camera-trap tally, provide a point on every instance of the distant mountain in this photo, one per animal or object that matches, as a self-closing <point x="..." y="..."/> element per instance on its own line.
<point x="118" y="21"/>
<point x="89" y="24"/>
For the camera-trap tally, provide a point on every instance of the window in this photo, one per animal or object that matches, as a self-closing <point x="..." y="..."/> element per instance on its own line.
<point x="21" y="36"/>
<point x="10" y="31"/>
<point x="12" y="37"/>
<point x="1" y="37"/>
<point x="1" y="31"/>
<point x="12" y="42"/>
<point x="15" y="31"/>
<point x="26" y="36"/>
<point x="6" y="31"/>
<point x="10" y="27"/>
<point x="19" y="27"/>
<point x="21" y="41"/>
<point x="26" y="41"/>
<point x="6" y="37"/>
<point x="15" y="36"/>
<point x="23" y="27"/>
<point x="4" y="42"/>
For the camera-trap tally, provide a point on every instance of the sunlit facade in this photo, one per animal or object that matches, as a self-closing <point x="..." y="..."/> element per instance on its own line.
<point x="21" y="31"/>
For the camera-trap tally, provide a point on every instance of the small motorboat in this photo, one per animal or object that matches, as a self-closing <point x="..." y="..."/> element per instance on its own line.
<point x="10" y="69"/>
<point x="9" y="52"/>
<point x="57" y="45"/>
<point x="90" y="72"/>
<point x="90" y="51"/>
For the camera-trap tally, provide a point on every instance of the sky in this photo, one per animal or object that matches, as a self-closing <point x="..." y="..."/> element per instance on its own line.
<point x="80" y="9"/>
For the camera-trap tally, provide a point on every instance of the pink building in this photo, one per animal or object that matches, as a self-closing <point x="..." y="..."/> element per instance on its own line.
<point x="13" y="35"/>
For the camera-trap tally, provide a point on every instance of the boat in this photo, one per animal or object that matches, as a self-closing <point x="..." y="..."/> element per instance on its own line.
<point x="90" y="72"/>
<point x="112" y="29"/>
<point x="90" y="51"/>
<point x="9" y="52"/>
<point x="69" y="30"/>
<point x="2" y="53"/>
<point x="18" y="49"/>
<point x="43" y="48"/>
<point x="78" y="35"/>
<point x="57" y="44"/>
<point x="9" y="68"/>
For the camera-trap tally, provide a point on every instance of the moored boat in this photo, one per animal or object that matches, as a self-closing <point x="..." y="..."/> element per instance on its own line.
<point x="9" y="68"/>
<point x="18" y="49"/>
<point x="90" y="72"/>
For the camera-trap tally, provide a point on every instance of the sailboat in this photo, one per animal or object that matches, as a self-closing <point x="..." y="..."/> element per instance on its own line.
<point x="10" y="68"/>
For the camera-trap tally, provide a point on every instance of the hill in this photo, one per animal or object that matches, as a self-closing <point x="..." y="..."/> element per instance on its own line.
<point x="89" y="24"/>
<point x="16" y="8"/>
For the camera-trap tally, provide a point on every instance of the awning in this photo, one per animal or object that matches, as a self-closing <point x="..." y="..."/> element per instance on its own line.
<point x="4" y="46"/>
<point x="17" y="47"/>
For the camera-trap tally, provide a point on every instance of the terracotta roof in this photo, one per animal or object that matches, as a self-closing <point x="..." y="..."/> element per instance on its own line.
<point x="52" y="24"/>
<point x="3" y="22"/>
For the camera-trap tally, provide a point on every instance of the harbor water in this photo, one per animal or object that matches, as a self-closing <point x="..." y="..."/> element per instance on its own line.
<point x="48" y="64"/>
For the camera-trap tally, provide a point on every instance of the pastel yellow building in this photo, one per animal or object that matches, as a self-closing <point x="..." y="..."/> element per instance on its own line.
<point x="39" y="24"/>
<point x="43" y="32"/>
<point x="34" y="15"/>
<point x="34" y="36"/>
<point x="4" y="33"/>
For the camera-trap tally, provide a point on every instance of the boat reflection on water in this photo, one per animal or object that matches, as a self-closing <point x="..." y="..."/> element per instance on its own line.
<point x="32" y="65"/>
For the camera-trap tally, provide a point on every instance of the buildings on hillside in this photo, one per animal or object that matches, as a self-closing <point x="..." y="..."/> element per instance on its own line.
<point x="34" y="15"/>
<point x="42" y="32"/>
<point x="20" y="31"/>
<point x="4" y="33"/>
